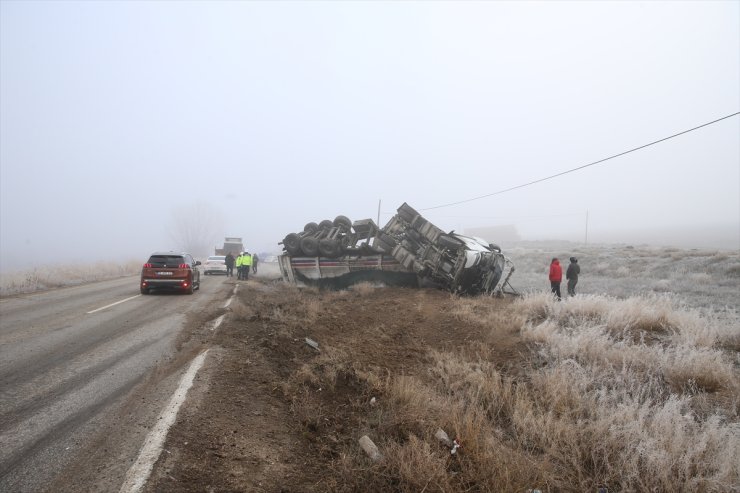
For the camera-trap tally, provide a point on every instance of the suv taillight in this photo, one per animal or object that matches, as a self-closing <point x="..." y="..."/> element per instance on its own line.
<point x="147" y="266"/>
<point x="183" y="266"/>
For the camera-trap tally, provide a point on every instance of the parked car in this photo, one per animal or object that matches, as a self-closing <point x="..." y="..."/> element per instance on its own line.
<point x="216" y="264"/>
<point x="172" y="271"/>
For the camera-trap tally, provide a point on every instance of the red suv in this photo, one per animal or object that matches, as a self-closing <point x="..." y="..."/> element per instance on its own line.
<point x="169" y="270"/>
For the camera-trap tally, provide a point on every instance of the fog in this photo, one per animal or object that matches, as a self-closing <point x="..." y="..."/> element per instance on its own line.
<point x="118" y="118"/>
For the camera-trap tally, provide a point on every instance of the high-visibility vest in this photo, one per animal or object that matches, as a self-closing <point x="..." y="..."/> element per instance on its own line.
<point x="247" y="260"/>
<point x="239" y="260"/>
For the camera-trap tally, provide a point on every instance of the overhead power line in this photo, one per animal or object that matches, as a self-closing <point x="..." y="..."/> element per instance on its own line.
<point x="582" y="167"/>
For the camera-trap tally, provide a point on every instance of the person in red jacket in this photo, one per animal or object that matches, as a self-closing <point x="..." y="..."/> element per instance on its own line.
<point x="556" y="277"/>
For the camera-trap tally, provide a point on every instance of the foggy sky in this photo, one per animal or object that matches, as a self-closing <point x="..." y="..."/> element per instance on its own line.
<point x="115" y="114"/>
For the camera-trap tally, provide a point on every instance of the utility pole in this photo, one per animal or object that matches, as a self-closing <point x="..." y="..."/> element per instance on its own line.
<point x="586" y="227"/>
<point x="378" y="213"/>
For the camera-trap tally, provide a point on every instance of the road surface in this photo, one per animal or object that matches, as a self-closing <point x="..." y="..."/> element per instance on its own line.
<point x="84" y="373"/>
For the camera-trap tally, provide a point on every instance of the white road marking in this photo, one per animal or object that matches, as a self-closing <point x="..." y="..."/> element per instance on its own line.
<point x="236" y="286"/>
<point x="139" y="472"/>
<point x="113" y="304"/>
<point x="217" y="322"/>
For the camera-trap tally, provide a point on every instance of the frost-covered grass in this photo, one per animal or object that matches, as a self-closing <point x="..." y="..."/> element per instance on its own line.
<point x="55" y="276"/>
<point x="697" y="278"/>
<point x="638" y="394"/>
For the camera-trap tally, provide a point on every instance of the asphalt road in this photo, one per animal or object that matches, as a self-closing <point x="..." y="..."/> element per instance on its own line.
<point x="80" y="385"/>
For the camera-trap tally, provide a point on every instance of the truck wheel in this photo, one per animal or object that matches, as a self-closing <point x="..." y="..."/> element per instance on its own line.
<point x="329" y="248"/>
<point x="310" y="228"/>
<point x="144" y="291"/>
<point x="344" y="222"/>
<point x="310" y="246"/>
<point x="292" y="244"/>
<point x="326" y="224"/>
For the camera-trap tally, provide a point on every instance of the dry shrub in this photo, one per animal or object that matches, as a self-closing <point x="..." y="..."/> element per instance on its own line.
<point x="599" y="433"/>
<point x="241" y="312"/>
<point x="491" y="460"/>
<point x="657" y="314"/>
<point x="602" y="268"/>
<point x="486" y="311"/>
<point x="312" y="308"/>
<point x="662" y="285"/>
<point x="416" y="465"/>
<point x="474" y="381"/>
<point x="613" y="410"/>
<point x="700" y="278"/>
<point x="413" y="407"/>
<point x="688" y="367"/>
<point x="733" y="271"/>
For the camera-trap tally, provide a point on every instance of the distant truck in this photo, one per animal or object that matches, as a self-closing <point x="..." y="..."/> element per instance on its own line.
<point x="407" y="250"/>
<point x="231" y="245"/>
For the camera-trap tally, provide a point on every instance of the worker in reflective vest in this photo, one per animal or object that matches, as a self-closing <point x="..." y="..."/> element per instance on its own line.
<point x="240" y="266"/>
<point x="247" y="264"/>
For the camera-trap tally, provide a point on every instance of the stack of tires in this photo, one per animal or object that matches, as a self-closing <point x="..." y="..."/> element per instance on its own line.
<point x="327" y="238"/>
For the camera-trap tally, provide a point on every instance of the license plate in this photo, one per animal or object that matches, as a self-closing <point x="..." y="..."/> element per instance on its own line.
<point x="164" y="273"/>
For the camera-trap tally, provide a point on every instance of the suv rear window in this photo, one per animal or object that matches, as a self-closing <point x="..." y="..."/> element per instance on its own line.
<point x="167" y="260"/>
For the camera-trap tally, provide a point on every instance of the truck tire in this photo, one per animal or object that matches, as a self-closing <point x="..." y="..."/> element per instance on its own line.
<point x="326" y="224"/>
<point x="343" y="222"/>
<point x="292" y="244"/>
<point x="310" y="227"/>
<point x="310" y="246"/>
<point x="144" y="291"/>
<point x="330" y="248"/>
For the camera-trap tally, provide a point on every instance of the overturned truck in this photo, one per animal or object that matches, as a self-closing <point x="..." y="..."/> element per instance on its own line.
<point x="408" y="250"/>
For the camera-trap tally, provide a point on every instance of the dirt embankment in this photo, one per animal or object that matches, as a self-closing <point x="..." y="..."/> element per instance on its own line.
<point x="269" y="412"/>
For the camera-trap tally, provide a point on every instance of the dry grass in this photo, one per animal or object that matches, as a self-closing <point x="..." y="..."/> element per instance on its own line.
<point x="363" y="288"/>
<point x="54" y="276"/>
<point x="617" y="392"/>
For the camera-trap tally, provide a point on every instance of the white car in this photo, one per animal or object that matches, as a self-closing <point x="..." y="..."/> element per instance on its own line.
<point x="216" y="264"/>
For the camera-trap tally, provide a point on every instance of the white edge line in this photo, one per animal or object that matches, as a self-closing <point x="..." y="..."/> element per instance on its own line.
<point x="139" y="472"/>
<point x="218" y="321"/>
<point x="112" y="304"/>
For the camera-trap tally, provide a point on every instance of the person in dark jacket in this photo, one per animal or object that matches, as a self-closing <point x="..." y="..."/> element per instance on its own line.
<point x="255" y="259"/>
<point x="229" y="264"/>
<point x="572" y="275"/>
<point x="556" y="277"/>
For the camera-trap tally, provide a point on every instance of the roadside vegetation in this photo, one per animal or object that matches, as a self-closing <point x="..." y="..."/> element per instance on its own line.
<point x="57" y="276"/>
<point x="635" y="394"/>
<point x="634" y="391"/>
